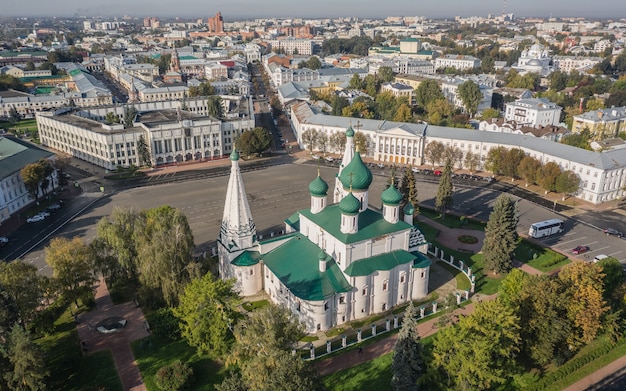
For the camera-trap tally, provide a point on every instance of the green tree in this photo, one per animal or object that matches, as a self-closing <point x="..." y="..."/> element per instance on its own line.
<point x="14" y="115"/>
<point x="567" y="183"/>
<point x="491" y="113"/>
<point x="528" y="169"/>
<point x="547" y="176"/>
<point x="355" y="82"/>
<point x="204" y="89"/>
<point x="478" y="353"/>
<point x="501" y="235"/>
<point x="558" y="81"/>
<point x="117" y="235"/>
<point x="434" y="152"/>
<point x="338" y="103"/>
<point x="264" y="331"/>
<point x="164" y="244"/>
<point x="33" y="175"/>
<point x="145" y="159"/>
<point x="403" y="114"/>
<point x="407" y="364"/>
<point x="495" y="160"/>
<point x="129" y="116"/>
<point x="443" y="200"/>
<point x="544" y="324"/>
<point x="470" y="95"/>
<point x="24" y="287"/>
<point x="511" y="162"/>
<point x="613" y="278"/>
<point x="385" y="74"/>
<point x="207" y="312"/>
<point x="438" y="110"/>
<point x="255" y="141"/>
<point x="360" y="143"/>
<point x="215" y="107"/>
<point x="70" y="261"/>
<point x="111" y="118"/>
<point x="586" y="307"/>
<point x="427" y="92"/>
<point x="314" y="63"/>
<point x="472" y="161"/>
<point x="309" y="138"/>
<point x="27" y="363"/>
<point x="511" y="287"/>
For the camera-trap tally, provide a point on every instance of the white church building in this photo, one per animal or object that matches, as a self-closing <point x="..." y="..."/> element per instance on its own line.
<point x="338" y="262"/>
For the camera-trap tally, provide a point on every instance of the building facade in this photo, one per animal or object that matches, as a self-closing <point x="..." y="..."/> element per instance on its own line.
<point x="338" y="262"/>
<point x="602" y="174"/>
<point x="533" y="112"/>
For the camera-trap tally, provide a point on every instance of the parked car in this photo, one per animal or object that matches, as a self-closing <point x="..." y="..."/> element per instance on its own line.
<point x="54" y="206"/>
<point x="329" y="159"/>
<point x="415" y="169"/>
<point x="381" y="165"/>
<point x="35" y="218"/>
<point x="612" y="231"/>
<point x="44" y="213"/>
<point x="437" y="172"/>
<point x="580" y="250"/>
<point x="315" y="157"/>
<point x="3" y="241"/>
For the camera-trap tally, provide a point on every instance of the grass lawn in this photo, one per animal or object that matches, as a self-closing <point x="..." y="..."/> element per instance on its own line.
<point x="152" y="353"/>
<point x="373" y="375"/>
<point x="462" y="282"/>
<point x="254" y="305"/>
<point x="540" y="258"/>
<point x="453" y="221"/>
<point x="69" y="369"/>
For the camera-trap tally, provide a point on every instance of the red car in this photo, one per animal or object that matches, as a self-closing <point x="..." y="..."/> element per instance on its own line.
<point x="580" y="249"/>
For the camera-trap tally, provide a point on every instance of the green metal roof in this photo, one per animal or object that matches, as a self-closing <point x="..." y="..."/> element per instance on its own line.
<point x="356" y="174"/>
<point x="15" y="154"/>
<point x="296" y="264"/>
<point x="349" y="204"/>
<point x="388" y="261"/>
<point x="391" y="196"/>
<point x="371" y="224"/>
<point x="421" y="260"/>
<point x="247" y="258"/>
<point x="294" y="221"/>
<point x="350" y="131"/>
<point x="409" y="209"/>
<point x="187" y="58"/>
<point x="318" y="187"/>
<point x="277" y="238"/>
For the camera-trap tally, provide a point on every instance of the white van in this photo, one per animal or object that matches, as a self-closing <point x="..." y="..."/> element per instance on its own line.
<point x="599" y="257"/>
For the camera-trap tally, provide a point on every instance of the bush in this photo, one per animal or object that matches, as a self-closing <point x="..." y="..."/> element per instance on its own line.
<point x="553" y="261"/>
<point x="175" y="376"/>
<point x="164" y="324"/>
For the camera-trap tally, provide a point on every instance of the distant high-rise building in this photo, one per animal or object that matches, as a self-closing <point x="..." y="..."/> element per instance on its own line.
<point x="151" y="22"/>
<point x="216" y="23"/>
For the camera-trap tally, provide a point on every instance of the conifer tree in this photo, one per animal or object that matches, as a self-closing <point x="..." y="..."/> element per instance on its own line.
<point x="501" y="235"/>
<point x="443" y="201"/>
<point x="407" y="363"/>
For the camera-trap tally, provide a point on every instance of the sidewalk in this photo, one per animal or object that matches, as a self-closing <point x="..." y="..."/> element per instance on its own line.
<point x="118" y="342"/>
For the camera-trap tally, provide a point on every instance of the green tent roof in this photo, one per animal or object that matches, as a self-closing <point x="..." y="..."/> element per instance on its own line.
<point x="296" y="264"/>
<point x="356" y="174"/>
<point x="318" y="187"/>
<point x="388" y="261"/>
<point x="421" y="260"/>
<point x="371" y="224"/>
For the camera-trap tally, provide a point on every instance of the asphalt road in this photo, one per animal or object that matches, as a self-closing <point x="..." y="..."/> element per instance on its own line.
<point x="274" y="193"/>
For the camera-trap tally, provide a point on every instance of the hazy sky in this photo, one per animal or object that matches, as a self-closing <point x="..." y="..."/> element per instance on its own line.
<point x="235" y="9"/>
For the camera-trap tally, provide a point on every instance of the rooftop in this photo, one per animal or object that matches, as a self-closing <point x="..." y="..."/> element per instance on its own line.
<point x="16" y="153"/>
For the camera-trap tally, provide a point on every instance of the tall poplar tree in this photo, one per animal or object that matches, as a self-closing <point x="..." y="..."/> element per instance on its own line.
<point x="501" y="235"/>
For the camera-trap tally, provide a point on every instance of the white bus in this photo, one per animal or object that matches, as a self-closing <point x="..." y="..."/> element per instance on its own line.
<point x="545" y="228"/>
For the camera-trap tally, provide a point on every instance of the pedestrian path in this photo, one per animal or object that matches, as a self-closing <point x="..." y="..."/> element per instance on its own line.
<point x="118" y="342"/>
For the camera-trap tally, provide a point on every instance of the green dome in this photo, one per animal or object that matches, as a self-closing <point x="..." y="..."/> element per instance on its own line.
<point x="350" y="132"/>
<point x="409" y="209"/>
<point x="361" y="175"/>
<point x="321" y="255"/>
<point x="234" y="155"/>
<point x="350" y="205"/>
<point x="391" y="196"/>
<point x="318" y="187"/>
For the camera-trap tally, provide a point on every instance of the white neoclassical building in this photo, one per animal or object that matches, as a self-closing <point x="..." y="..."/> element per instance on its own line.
<point x="338" y="262"/>
<point x="533" y="112"/>
<point x="171" y="135"/>
<point x="602" y="173"/>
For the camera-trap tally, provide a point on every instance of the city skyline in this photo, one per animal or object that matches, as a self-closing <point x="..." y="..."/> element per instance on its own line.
<point x="239" y="9"/>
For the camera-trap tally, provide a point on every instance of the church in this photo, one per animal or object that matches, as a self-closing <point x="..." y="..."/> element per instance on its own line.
<point x="337" y="262"/>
